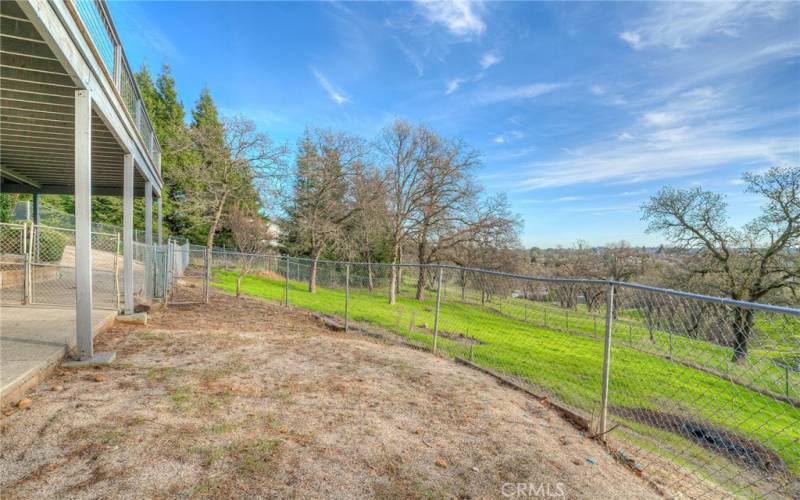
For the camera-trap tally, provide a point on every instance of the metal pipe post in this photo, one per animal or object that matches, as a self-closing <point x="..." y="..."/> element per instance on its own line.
<point x="606" y="362"/>
<point x="438" y="307"/>
<point x="347" y="298"/>
<point x="286" y="284"/>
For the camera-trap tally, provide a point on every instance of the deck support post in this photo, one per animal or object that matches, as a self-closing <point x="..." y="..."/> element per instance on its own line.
<point x="83" y="223"/>
<point x="148" y="240"/>
<point x="127" y="233"/>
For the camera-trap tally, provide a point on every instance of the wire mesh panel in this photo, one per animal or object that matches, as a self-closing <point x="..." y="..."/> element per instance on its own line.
<point x="261" y="275"/>
<point x="190" y="286"/>
<point x="706" y="394"/>
<point x="52" y="268"/>
<point x="13" y="259"/>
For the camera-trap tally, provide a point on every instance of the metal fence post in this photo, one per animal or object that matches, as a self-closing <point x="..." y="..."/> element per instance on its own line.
<point x="208" y="277"/>
<point x="438" y="307"/>
<point x="606" y="362"/>
<point x="26" y="272"/>
<point x="347" y="298"/>
<point x="286" y="284"/>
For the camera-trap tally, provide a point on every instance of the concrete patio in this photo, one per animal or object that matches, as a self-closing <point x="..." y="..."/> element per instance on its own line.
<point x="33" y="340"/>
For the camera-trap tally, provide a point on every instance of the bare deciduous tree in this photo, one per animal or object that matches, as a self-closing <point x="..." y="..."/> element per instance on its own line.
<point x="323" y="201"/>
<point x="252" y="236"/>
<point x="399" y="146"/>
<point x="743" y="264"/>
<point x="243" y="165"/>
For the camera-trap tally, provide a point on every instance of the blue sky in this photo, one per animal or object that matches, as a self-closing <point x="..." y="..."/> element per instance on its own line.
<point x="581" y="110"/>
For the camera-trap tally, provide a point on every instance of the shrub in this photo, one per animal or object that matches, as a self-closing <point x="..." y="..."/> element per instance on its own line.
<point x="11" y="241"/>
<point x="51" y="245"/>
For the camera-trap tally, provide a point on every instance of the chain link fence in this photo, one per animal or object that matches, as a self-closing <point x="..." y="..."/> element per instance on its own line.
<point x="699" y="395"/>
<point x="13" y="263"/>
<point x="37" y="266"/>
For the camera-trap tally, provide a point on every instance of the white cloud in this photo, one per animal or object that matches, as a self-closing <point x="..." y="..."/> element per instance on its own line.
<point x="660" y="118"/>
<point x="597" y="89"/>
<point x="633" y="38"/>
<point x="677" y="25"/>
<point x="460" y="17"/>
<point x="453" y="85"/>
<point x="624" y="136"/>
<point x="335" y="95"/>
<point x="648" y="162"/>
<point x="521" y="92"/>
<point x="489" y="59"/>
<point x="508" y="137"/>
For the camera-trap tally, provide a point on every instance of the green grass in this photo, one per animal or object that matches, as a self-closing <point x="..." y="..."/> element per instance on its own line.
<point x="565" y="359"/>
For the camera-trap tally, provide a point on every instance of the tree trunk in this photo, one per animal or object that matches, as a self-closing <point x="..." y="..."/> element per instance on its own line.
<point x="463" y="286"/>
<point x="312" y="277"/>
<point x="394" y="275"/>
<point x="212" y="229"/>
<point x="239" y="286"/>
<point x="370" y="277"/>
<point x="421" y="284"/>
<point x="742" y="328"/>
<point x="393" y="285"/>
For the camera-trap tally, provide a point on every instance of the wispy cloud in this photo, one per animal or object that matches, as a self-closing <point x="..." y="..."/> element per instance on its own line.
<point x="560" y="199"/>
<point x="335" y="95"/>
<point x="460" y="17"/>
<point x="507" y="137"/>
<point x="530" y="91"/>
<point x="489" y="59"/>
<point x="152" y="39"/>
<point x="412" y="57"/>
<point x="453" y="85"/>
<point x="678" y="25"/>
<point x="597" y="89"/>
<point x="630" y="194"/>
<point x="698" y="131"/>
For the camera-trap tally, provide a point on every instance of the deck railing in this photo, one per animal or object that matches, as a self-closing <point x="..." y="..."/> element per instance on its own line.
<point x="102" y="36"/>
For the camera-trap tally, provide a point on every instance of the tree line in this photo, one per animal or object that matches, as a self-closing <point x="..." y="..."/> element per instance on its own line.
<point x="407" y="195"/>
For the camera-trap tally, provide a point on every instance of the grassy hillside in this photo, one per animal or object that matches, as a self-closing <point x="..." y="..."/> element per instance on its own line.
<point x="565" y="360"/>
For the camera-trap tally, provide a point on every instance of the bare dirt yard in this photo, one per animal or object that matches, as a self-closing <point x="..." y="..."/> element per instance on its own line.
<point x="249" y="399"/>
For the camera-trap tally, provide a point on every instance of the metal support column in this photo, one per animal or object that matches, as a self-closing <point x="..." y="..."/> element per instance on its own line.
<point x="160" y="227"/>
<point x="36" y="209"/>
<point x="127" y="233"/>
<point x="83" y="223"/>
<point x="148" y="239"/>
<point x="606" y="363"/>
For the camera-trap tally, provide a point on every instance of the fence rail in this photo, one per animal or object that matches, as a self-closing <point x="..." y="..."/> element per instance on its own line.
<point x="698" y="394"/>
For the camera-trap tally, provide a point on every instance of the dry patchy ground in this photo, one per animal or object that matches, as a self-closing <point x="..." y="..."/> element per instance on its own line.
<point x="248" y="399"/>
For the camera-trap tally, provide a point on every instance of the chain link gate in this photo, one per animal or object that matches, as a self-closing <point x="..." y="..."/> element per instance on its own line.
<point x="190" y="274"/>
<point x="51" y="257"/>
<point x="13" y="263"/>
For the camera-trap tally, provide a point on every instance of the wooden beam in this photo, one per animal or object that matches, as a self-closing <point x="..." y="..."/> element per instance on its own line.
<point x="11" y="174"/>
